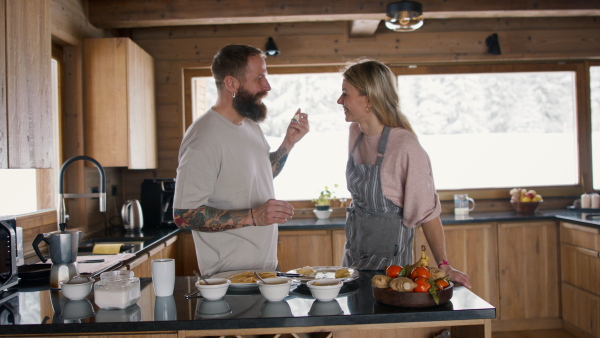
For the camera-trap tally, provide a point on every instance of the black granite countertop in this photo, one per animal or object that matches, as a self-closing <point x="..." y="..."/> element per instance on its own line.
<point x="576" y="216"/>
<point x="42" y="311"/>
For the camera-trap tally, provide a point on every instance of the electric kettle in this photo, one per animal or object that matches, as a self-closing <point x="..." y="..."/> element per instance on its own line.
<point x="131" y="213"/>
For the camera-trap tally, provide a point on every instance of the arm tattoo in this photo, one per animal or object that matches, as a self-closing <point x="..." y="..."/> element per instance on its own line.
<point x="208" y="219"/>
<point x="278" y="159"/>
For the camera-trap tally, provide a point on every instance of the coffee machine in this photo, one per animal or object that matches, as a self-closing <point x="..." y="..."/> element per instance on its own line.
<point x="63" y="246"/>
<point x="157" y="202"/>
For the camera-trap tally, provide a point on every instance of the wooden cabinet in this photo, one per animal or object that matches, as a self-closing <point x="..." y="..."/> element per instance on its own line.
<point x="473" y="250"/>
<point x="580" y="261"/>
<point x="298" y="248"/>
<point x="27" y="123"/>
<point x="529" y="272"/>
<point x="186" y="260"/>
<point x="120" y="127"/>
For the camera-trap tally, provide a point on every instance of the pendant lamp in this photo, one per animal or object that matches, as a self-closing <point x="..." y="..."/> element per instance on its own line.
<point x="404" y="16"/>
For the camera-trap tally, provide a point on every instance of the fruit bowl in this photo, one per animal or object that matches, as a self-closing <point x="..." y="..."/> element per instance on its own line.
<point x="526" y="207"/>
<point x="412" y="299"/>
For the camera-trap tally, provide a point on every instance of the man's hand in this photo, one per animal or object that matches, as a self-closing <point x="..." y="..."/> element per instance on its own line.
<point x="273" y="211"/>
<point x="297" y="129"/>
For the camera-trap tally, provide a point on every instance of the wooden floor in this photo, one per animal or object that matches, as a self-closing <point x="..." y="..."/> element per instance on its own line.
<point x="533" y="334"/>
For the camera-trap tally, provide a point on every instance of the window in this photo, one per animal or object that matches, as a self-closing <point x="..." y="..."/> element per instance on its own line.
<point x="485" y="127"/>
<point x="495" y="130"/>
<point x="595" y="103"/>
<point x="319" y="159"/>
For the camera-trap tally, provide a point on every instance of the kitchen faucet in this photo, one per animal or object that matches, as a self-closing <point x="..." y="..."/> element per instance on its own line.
<point x="62" y="215"/>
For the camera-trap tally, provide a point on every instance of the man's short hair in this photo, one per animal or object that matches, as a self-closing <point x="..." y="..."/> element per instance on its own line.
<point x="232" y="60"/>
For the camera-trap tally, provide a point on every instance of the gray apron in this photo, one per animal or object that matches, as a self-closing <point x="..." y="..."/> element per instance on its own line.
<point x="375" y="235"/>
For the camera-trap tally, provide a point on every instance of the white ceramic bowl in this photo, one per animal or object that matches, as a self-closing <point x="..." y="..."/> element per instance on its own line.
<point x="275" y="289"/>
<point x="77" y="289"/>
<point x="325" y="289"/>
<point x="216" y="288"/>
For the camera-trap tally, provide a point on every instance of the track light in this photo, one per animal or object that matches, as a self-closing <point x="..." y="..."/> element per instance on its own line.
<point x="493" y="44"/>
<point x="271" y="47"/>
<point x="404" y="16"/>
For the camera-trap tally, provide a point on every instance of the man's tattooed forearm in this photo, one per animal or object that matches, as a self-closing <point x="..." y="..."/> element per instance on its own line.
<point x="208" y="219"/>
<point x="278" y="160"/>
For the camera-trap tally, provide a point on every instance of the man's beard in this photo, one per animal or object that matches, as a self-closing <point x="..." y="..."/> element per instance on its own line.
<point x="246" y="105"/>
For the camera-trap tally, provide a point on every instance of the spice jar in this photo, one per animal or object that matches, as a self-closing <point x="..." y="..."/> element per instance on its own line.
<point x="116" y="290"/>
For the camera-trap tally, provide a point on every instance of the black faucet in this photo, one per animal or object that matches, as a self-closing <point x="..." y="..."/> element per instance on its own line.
<point x="62" y="215"/>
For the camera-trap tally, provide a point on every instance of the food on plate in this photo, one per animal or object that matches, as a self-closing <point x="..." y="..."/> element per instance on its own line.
<point x="436" y="273"/>
<point x="420" y="271"/>
<point x="248" y="276"/>
<point x="381" y="281"/>
<point x="306" y="271"/>
<point x="442" y="283"/>
<point x="423" y="284"/>
<point x="402" y="284"/>
<point x="423" y="261"/>
<point x="417" y="277"/>
<point x="342" y="273"/>
<point x="393" y="270"/>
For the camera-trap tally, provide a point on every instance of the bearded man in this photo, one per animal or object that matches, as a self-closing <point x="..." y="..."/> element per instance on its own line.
<point x="224" y="186"/>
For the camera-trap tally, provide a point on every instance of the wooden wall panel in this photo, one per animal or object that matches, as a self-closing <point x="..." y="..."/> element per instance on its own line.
<point x="29" y="104"/>
<point x="70" y="24"/>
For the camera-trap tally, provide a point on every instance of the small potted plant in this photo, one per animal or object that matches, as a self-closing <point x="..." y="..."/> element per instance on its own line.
<point x="323" y="203"/>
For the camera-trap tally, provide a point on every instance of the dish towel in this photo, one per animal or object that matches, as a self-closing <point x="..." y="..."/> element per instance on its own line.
<point x="107" y="249"/>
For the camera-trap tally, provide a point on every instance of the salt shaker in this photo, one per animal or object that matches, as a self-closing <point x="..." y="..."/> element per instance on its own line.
<point x="595" y="200"/>
<point x="585" y="201"/>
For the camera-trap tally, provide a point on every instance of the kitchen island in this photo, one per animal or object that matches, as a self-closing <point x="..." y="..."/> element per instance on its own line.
<point x="244" y="311"/>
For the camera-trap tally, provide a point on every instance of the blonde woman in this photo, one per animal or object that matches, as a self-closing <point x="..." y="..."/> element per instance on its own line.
<point x="388" y="175"/>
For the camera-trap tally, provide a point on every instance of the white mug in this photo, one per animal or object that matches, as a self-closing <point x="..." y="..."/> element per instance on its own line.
<point x="163" y="276"/>
<point x="461" y="204"/>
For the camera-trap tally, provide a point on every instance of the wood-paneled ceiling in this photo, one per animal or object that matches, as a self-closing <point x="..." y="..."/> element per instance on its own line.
<point x="362" y="13"/>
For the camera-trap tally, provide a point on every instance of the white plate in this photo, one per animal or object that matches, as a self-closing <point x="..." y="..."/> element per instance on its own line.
<point x="326" y="272"/>
<point x="228" y="274"/>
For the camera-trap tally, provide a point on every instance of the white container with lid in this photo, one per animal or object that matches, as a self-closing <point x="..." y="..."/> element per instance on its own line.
<point x="116" y="290"/>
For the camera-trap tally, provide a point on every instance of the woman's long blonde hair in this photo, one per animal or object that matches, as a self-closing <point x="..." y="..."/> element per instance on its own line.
<point x="375" y="80"/>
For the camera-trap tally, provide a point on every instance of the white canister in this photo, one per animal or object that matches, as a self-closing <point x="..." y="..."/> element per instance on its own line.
<point x="595" y="201"/>
<point x="586" y="201"/>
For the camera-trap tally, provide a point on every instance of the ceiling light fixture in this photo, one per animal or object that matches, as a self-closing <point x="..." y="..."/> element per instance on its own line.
<point x="404" y="16"/>
<point x="271" y="47"/>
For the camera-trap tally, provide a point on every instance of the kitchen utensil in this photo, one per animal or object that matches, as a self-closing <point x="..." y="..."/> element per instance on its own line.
<point x="259" y="277"/>
<point x="131" y="213"/>
<point x="63" y="247"/>
<point x="325" y="289"/>
<point x="200" y="276"/>
<point x="192" y="294"/>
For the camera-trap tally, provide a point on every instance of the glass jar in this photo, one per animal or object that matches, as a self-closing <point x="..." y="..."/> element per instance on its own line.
<point x="116" y="290"/>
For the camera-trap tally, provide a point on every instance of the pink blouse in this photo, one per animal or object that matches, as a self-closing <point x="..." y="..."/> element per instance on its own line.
<point x="406" y="175"/>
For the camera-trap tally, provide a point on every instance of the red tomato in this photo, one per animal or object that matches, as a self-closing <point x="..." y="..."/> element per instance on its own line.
<point x="393" y="271"/>
<point x="420" y="271"/>
<point x="442" y="283"/>
<point x="422" y="284"/>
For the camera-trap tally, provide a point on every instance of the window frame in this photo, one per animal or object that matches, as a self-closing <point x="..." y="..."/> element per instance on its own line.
<point x="582" y="108"/>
